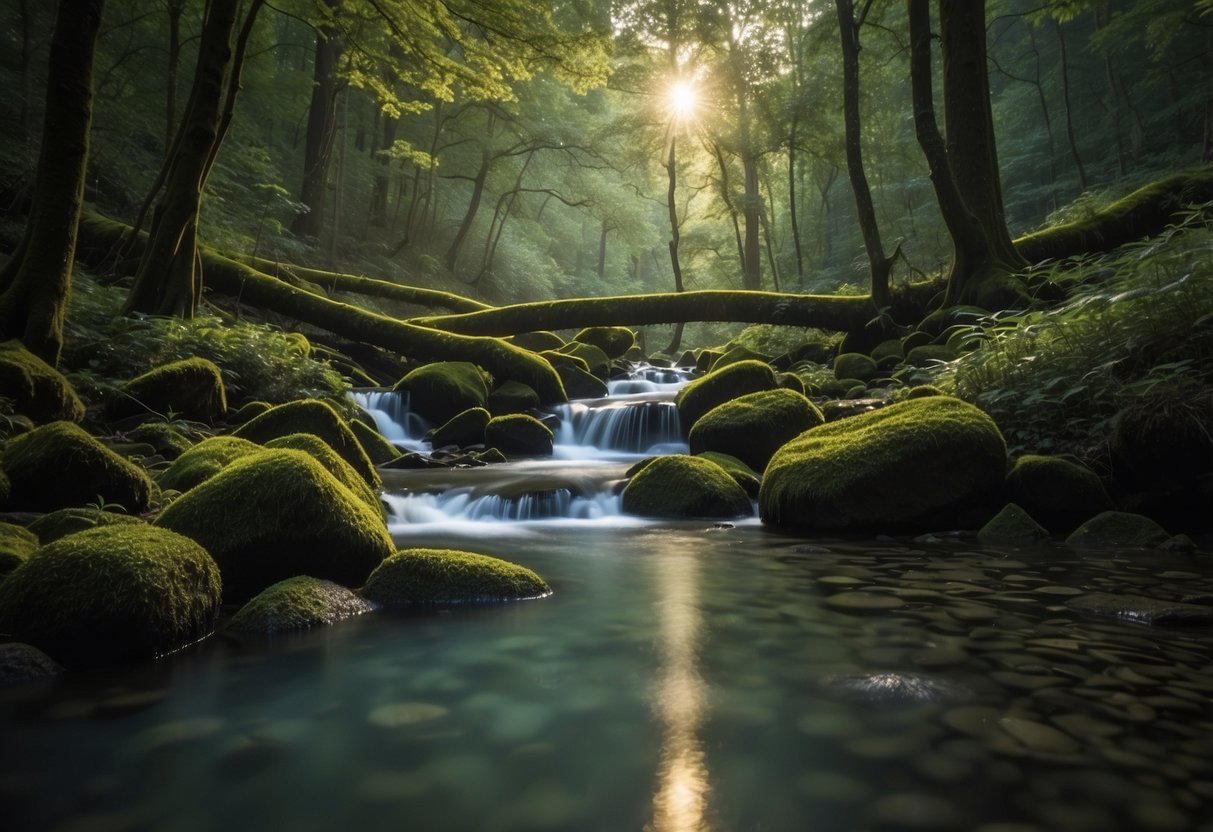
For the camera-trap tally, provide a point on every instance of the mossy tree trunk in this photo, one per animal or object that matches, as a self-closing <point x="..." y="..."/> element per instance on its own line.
<point x="36" y="282"/>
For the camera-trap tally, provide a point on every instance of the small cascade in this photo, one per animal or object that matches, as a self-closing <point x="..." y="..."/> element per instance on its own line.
<point x="390" y="410"/>
<point x="621" y="427"/>
<point x="464" y="504"/>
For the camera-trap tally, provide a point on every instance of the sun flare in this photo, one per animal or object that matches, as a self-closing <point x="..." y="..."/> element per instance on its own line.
<point x="683" y="99"/>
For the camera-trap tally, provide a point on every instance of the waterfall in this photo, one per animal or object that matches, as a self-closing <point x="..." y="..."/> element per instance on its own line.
<point x="630" y="427"/>
<point x="398" y="424"/>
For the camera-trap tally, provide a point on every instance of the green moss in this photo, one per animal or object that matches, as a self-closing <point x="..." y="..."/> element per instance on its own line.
<point x="277" y="514"/>
<point x="319" y="419"/>
<point x="917" y="338"/>
<point x="1012" y="527"/>
<point x="888" y="353"/>
<point x="203" y="461"/>
<point x="319" y="450"/>
<point x="489" y="456"/>
<point x="190" y="389"/>
<point x="596" y="360"/>
<point x="512" y="397"/>
<point x="37" y="389"/>
<point x="910" y="463"/>
<point x="112" y="594"/>
<point x="1119" y="529"/>
<point x="441" y="390"/>
<point x="580" y="384"/>
<point x="59" y="465"/>
<point x="684" y="486"/>
<point x="922" y="391"/>
<point x="421" y="577"/>
<point x="720" y="386"/>
<point x="466" y="428"/>
<point x="519" y="435"/>
<point x="929" y="354"/>
<point x="248" y="412"/>
<point x="793" y="382"/>
<point x="614" y="341"/>
<point x="65" y="521"/>
<point x="16" y="544"/>
<point x="561" y="359"/>
<point x="854" y="365"/>
<point x="6" y="487"/>
<point x="537" y="341"/>
<point x="1165" y="438"/>
<point x="1059" y="491"/>
<point x="298" y="603"/>
<point x="378" y="449"/>
<point x="169" y="442"/>
<point x="754" y="426"/>
<point x="704" y="359"/>
<point x="742" y="474"/>
<point x="736" y="353"/>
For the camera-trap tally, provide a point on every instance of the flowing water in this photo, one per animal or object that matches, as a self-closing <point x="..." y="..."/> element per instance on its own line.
<point x="683" y="677"/>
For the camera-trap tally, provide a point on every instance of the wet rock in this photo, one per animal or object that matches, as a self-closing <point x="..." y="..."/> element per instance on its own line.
<point x="914" y="810"/>
<point x="1039" y="737"/>
<point x="420" y="577"/>
<point x="1058" y="491"/>
<point x="684" y="486"/>
<point x="892" y="688"/>
<point x="720" y="386"/>
<point x="1119" y="529"/>
<point x="864" y="602"/>
<point x="752" y="427"/>
<point x="1012" y="527"/>
<point x="519" y="434"/>
<point x="1141" y="609"/>
<point x="444" y="389"/>
<point x="402" y="714"/>
<point x="297" y="603"/>
<point x="614" y="341"/>
<point x="25" y="663"/>
<point x="512" y="397"/>
<point x="461" y="430"/>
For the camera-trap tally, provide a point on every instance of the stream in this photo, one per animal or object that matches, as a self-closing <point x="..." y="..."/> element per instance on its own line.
<point x="683" y="677"/>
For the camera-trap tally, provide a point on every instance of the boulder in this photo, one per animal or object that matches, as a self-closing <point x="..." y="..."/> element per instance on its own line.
<point x="37" y="389"/>
<point x="579" y="383"/>
<point x="742" y="474"/>
<point x="1059" y="491"/>
<point x="443" y="389"/>
<point x="50" y="527"/>
<point x="277" y="514"/>
<point x="512" y="397"/>
<point x="1012" y="527"/>
<point x="378" y="449"/>
<point x="737" y="353"/>
<point x="59" y="465"/>
<point x="298" y="603"/>
<point x="203" y="461"/>
<point x="317" y="418"/>
<point x="930" y="354"/>
<point x="854" y="365"/>
<point x="423" y="577"/>
<point x="165" y="439"/>
<point x="614" y="341"/>
<point x="922" y="391"/>
<point x="720" y="386"/>
<point x="188" y="389"/>
<point x="25" y="663"/>
<point x="684" y="486"/>
<point x="248" y="411"/>
<point x="914" y="462"/>
<point x="1119" y="529"/>
<point x="111" y="594"/>
<point x="466" y="428"/>
<point x="754" y="426"/>
<point x="888" y="354"/>
<point x="793" y="382"/>
<point x="319" y="450"/>
<point x="16" y="544"/>
<point x="519" y="435"/>
<point x="596" y="360"/>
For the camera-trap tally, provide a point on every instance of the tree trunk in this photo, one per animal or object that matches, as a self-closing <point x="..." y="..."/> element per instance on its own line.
<point x="727" y="196"/>
<point x="792" y="214"/>
<point x="751" y="209"/>
<point x="36" y="282"/>
<point x="469" y="216"/>
<point x="174" y="9"/>
<point x="321" y="130"/>
<point x="602" y="249"/>
<point x="671" y="204"/>
<point x="382" y="183"/>
<point x="1065" y="97"/>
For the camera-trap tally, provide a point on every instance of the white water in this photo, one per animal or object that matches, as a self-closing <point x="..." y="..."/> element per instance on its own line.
<point x="392" y="416"/>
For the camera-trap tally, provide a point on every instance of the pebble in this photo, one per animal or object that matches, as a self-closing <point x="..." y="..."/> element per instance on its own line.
<point x="1039" y="737"/>
<point x="401" y="714"/>
<point x="863" y="602"/>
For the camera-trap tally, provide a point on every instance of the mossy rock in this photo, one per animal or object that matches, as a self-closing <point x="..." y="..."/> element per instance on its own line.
<point x="489" y="455"/>
<point x="519" y="435"/>
<point x="737" y="353"/>
<point x="910" y="463"/>
<point x="596" y="361"/>
<point x="203" y="461"/>
<point x="21" y="663"/>
<point x="59" y="465"/>
<point x="684" y="486"/>
<point x="1059" y="491"/>
<point x="537" y="341"/>
<point x="1164" y="439"/>
<point x="167" y="440"/>
<point x="1012" y="527"/>
<point x="444" y="389"/>
<point x="1119" y="529"/>
<point x="635" y="353"/>
<point x="427" y="577"/>
<point x="564" y="359"/>
<point x="512" y="397"/>
<point x="793" y="382"/>
<point x="687" y="359"/>
<point x="720" y="386"/>
<point x="6" y="487"/>
<point x="319" y="419"/>
<point x="930" y="354"/>
<point x="854" y="365"/>
<point x="887" y="353"/>
<point x="580" y="384"/>
<point x="614" y="341"/>
<point x="704" y="359"/>
<point x="376" y="446"/>
<point x="754" y="426"/>
<point x="298" y="603"/>
<point x="50" y="527"/>
<point x="277" y="514"/>
<point x="37" y="389"/>
<point x="112" y="594"/>
<point x="742" y="474"/>
<point x="922" y="391"/>
<point x="466" y="428"/>
<point x="248" y="411"/>
<point x="16" y="545"/>
<point x="917" y="338"/>
<point x="319" y="450"/>
<point x="190" y="389"/>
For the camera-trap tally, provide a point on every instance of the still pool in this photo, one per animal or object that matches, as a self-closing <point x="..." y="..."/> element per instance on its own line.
<point x="680" y="678"/>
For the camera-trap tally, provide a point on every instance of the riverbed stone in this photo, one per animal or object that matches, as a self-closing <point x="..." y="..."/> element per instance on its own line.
<point x="188" y="389"/>
<point x="1058" y="491"/>
<point x="59" y="465"/>
<point x="1012" y="526"/>
<point x="462" y="429"/>
<point x="298" y="603"/>
<point x="443" y="389"/>
<point x="915" y="462"/>
<point x="684" y="486"/>
<point x="203" y="461"/>
<point x="720" y="386"/>
<point x="277" y="514"/>
<point x="113" y="593"/>
<point x="754" y="426"/>
<point x="1142" y="609"/>
<point x="318" y="418"/>
<point x="37" y="389"/>
<point x="1119" y="529"/>
<point x="614" y="341"/>
<point x="422" y="577"/>
<point x="519" y="434"/>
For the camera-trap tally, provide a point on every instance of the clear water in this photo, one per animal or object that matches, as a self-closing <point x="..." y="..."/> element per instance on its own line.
<point x="682" y="677"/>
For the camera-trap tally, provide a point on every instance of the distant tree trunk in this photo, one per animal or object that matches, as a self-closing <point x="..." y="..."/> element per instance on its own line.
<point x="469" y="216"/>
<point x="602" y="249"/>
<point x="174" y="9"/>
<point x="321" y="130"/>
<point x="726" y="196"/>
<point x="36" y="281"/>
<point x="1044" y="112"/>
<point x="382" y="182"/>
<point x="792" y="216"/>
<point x="671" y="205"/>
<point x="1065" y="97"/>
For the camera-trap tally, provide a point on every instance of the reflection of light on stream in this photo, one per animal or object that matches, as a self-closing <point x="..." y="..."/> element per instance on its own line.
<point x="680" y="802"/>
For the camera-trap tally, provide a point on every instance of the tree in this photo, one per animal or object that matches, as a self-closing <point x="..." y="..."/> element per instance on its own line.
<point x="321" y="125"/>
<point x="36" y="282"/>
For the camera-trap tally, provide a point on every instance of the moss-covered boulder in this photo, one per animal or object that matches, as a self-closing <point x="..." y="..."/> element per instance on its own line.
<point x="737" y="353"/>
<point x="923" y="391"/>
<point x="248" y="411"/>
<point x="114" y="593"/>
<point x="742" y="474"/>
<point x="317" y="418"/>
<point x="466" y="428"/>
<point x="537" y="341"/>
<point x="50" y="527"/>
<point x="931" y="354"/>
<point x="720" y="386"/>
<point x="513" y="397"/>
<point x="910" y="463"/>
<point x="854" y="365"/>
<point x="203" y="461"/>
<point x="888" y="353"/>
<point x="37" y="389"/>
<point x="596" y="360"/>
<point x="1119" y="529"/>
<point x="519" y="435"/>
<point x="754" y="426"/>
<point x="1059" y="491"/>
<point x="166" y="439"/>
<point x="793" y="382"/>
<point x="1012" y="527"/>
<point x="59" y="465"/>
<point x="684" y="486"/>
<point x="579" y="383"/>
<point x="378" y="449"/>
<point x="615" y="341"/>
<point x="425" y="577"/>
<point x="16" y="544"/>
<point x="277" y="514"/>
<point x="298" y="603"/>
<point x="319" y="450"/>
<point x="190" y="389"/>
<point x="444" y="389"/>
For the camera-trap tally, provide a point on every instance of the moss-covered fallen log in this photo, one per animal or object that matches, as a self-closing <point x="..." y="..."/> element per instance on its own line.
<point x="841" y="313"/>
<point x="1143" y="213"/>
<point x="222" y="274"/>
